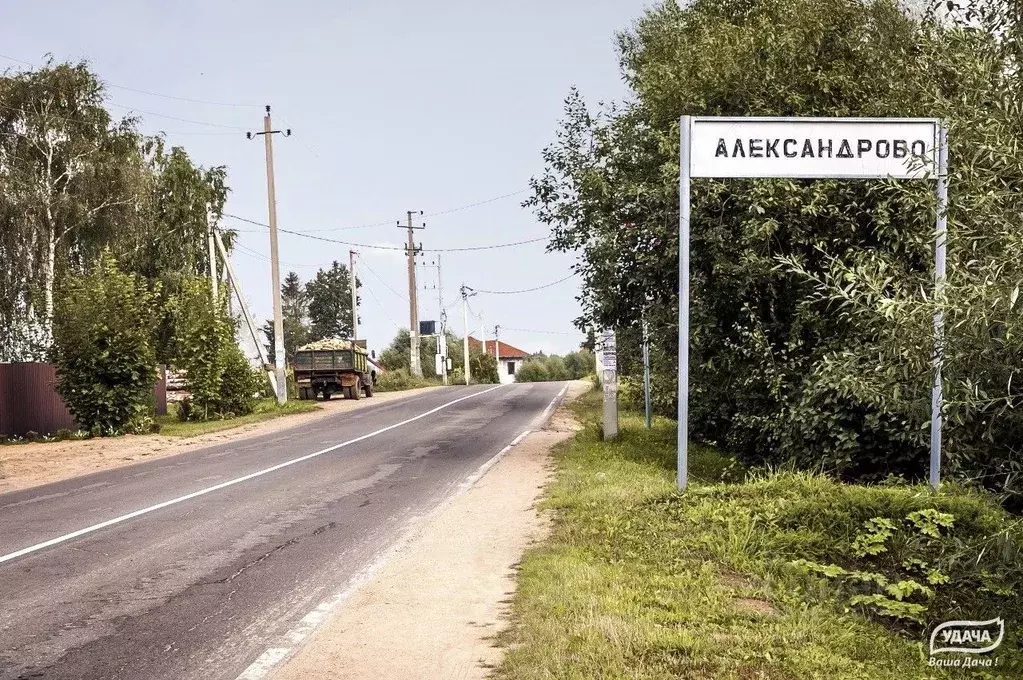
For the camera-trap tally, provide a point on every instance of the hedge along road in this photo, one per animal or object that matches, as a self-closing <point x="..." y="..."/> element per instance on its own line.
<point x="189" y="566"/>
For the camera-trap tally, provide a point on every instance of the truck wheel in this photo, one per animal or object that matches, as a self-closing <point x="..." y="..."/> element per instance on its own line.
<point x="368" y="387"/>
<point x="356" y="390"/>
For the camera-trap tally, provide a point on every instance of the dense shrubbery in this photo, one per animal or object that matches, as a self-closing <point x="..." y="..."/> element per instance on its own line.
<point x="812" y="301"/>
<point x="398" y="354"/>
<point x="541" y="368"/>
<point x="220" y="382"/>
<point x="103" y="327"/>
<point x="483" y="368"/>
<point x="400" y="379"/>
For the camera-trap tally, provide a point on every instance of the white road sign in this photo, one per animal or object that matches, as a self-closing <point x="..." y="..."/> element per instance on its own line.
<point x="810" y="148"/>
<point x="849" y="148"/>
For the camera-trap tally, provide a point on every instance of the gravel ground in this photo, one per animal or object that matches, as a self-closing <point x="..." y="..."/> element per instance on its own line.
<point x="433" y="610"/>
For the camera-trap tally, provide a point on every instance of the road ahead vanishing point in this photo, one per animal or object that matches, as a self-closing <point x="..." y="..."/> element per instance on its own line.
<point x="193" y="566"/>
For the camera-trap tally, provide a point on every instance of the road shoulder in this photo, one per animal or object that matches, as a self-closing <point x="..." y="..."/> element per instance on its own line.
<point x="434" y="609"/>
<point x="23" y="466"/>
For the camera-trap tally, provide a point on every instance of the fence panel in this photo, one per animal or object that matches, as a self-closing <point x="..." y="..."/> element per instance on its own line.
<point x="29" y="401"/>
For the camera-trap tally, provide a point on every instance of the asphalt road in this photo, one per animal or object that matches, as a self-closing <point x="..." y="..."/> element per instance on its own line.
<point x="246" y="540"/>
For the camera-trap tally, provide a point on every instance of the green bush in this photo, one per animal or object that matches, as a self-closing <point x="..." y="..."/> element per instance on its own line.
<point x="240" y="385"/>
<point x="401" y="379"/>
<point x="483" y="368"/>
<point x="811" y="301"/>
<point x="542" y="368"/>
<point x="532" y="370"/>
<point x="220" y="382"/>
<point x="103" y="328"/>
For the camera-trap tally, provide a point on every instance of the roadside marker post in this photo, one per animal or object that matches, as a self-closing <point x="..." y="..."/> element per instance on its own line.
<point x="810" y="148"/>
<point x="609" y="360"/>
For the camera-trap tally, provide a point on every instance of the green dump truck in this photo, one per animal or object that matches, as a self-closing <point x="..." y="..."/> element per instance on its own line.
<point x="328" y="366"/>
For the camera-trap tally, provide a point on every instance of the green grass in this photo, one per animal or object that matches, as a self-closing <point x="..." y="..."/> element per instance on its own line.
<point x="638" y="581"/>
<point x="266" y="409"/>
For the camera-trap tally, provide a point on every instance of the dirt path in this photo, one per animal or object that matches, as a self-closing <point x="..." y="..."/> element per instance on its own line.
<point x="433" y="609"/>
<point x="27" y="465"/>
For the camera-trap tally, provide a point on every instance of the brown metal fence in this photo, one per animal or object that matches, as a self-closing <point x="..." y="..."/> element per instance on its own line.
<point x="29" y="401"/>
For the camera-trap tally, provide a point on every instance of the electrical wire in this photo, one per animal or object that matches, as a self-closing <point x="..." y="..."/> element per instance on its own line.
<point x="376" y="247"/>
<point x="146" y="92"/>
<point x="381" y="280"/>
<point x="385" y="223"/>
<point x="477" y="203"/>
<point x="533" y="330"/>
<point x="382" y="308"/>
<point x="180" y="120"/>
<point x="524" y="290"/>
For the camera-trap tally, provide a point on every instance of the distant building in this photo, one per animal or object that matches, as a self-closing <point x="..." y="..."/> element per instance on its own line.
<point x="510" y="358"/>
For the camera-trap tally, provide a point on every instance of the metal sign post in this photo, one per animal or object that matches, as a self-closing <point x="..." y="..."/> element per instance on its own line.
<point x="810" y="148"/>
<point x="609" y="358"/>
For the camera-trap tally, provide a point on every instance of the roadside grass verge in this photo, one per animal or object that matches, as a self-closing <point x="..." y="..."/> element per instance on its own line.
<point x="638" y="581"/>
<point x="402" y="379"/>
<point x="266" y="409"/>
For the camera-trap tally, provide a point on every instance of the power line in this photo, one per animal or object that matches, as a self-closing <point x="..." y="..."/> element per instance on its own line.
<point x="385" y="223"/>
<point x="180" y="120"/>
<point x="146" y="92"/>
<point x="524" y="290"/>
<point x="381" y="306"/>
<point x="477" y="203"/>
<point x="379" y="278"/>
<point x="402" y="248"/>
<point x="533" y="330"/>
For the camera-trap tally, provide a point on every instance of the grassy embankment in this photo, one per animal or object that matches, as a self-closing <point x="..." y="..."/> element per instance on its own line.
<point x="266" y="409"/>
<point x="638" y="581"/>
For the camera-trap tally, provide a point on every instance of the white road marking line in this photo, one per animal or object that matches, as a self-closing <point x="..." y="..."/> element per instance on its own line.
<point x="261" y="666"/>
<point x="543" y="416"/>
<point x="269" y="660"/>
<point x="232" y="482"/>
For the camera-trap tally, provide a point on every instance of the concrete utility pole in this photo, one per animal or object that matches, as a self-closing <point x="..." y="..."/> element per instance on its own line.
<point x="465" y="328"/>
<point x="442" y="336"/>
<point x="275" y="270"/>
<point x="355" y="295"/>
<point x="497" y="350"/>
<point x="413" y="295"/>
<point x="271" y="374"/>
<point x="214" y="283"/>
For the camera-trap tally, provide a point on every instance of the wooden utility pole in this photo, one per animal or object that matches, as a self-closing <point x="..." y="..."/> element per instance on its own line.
<point x="355" y="296"/>
<point x="275" y="270"/>
<point x="413" y="296"/>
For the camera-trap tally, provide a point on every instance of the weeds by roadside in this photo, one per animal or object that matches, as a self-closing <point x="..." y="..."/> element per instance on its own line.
<point x="638" y="581"/>
<point x="265" y="409"/>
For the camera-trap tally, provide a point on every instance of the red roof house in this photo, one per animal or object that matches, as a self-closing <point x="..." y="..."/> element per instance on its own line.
<point x="510" y="357"/>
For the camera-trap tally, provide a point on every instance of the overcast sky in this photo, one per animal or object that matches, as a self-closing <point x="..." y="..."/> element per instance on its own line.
<point x="393" y="106"/>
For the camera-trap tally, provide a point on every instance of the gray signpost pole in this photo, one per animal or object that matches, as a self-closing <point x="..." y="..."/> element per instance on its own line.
<point x="710" y="165"/>
<point x="646" y="376"/>
<point x="940" y="239"/>
<point x="610" y="384"/>
<point x="683" y="302"/>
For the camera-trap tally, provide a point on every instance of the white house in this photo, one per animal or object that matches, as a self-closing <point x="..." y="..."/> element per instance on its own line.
<point x="509" y="358"/>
